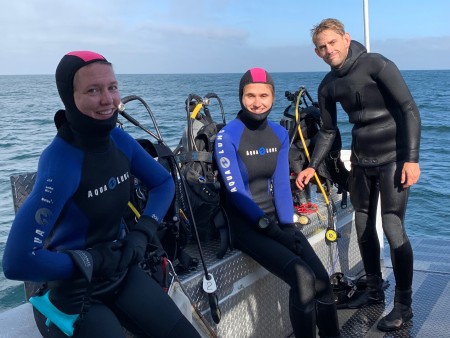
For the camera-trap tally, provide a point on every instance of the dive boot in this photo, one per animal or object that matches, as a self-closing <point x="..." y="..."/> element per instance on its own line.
<point x="373" y="294"/>
<point x="400" y="314"/>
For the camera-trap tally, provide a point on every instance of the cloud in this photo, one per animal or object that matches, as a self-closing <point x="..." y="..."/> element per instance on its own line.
<point x="150" y="36"/>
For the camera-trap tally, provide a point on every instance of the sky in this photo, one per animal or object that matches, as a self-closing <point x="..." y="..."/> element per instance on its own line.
<point x="215" y="36"/>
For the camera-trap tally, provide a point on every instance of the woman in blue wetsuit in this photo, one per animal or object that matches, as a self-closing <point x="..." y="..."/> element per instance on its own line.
<point x="68" y="233"/>
<point x="252" y="156"/>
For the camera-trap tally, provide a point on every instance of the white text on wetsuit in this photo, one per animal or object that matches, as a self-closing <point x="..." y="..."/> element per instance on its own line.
<point x="110" y="185"/>
<point x="261" y="151"/>
<point x="224" y="162"/>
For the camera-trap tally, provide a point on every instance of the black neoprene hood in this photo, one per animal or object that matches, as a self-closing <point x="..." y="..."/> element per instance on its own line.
<point x="255" y="75"/>
<point x="65" y="74"/>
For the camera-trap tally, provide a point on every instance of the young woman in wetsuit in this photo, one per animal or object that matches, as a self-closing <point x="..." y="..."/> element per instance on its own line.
<point x="252" y="156"/>
<point x="384" y="158"/>
<point x="68" y="234"/>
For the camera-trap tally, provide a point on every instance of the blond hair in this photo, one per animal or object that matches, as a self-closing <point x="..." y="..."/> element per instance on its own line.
<point x="333" y="24"/>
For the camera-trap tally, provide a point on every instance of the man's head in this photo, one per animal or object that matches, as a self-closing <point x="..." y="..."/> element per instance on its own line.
<point x="331" y="41"/>
<point x="88" y="88"/>
<point x="256" y="93"/>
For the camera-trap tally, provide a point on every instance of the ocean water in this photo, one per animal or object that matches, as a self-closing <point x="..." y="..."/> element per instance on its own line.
<point x="28" y="104"/>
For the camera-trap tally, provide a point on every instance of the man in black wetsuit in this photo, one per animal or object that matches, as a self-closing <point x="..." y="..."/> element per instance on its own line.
<point x="384" y="157"/>
<point x="252" y="156"/>
<point x="69" y="235"/>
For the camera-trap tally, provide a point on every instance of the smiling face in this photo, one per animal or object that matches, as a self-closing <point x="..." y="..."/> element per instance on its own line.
<point x="96" y="92"/>
<point x="258" y="97"/>
<point x="332" y="47"/>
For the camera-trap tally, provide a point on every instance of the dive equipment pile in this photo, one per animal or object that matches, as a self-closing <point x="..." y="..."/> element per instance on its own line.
<point x="182" y="212"/>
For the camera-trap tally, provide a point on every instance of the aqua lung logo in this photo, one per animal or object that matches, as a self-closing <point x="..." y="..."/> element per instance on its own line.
<point x="228" y="177"/>
<point x="225" y="163"/>
<point x="112" y="183"/>
<point x="42" y="215"/>
<point x="261" y="151"/>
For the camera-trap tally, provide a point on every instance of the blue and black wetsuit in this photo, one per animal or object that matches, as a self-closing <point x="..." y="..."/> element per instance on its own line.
<point x="78" y="199"/>
<point x="386" y="133"/>
<point x="253" y="160"/>
<point x="80" y="194"/>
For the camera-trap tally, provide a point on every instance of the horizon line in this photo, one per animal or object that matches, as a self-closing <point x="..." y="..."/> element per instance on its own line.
<point x="221" y="73"/>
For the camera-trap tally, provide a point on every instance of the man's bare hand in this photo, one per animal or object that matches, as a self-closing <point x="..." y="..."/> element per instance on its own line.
<point x="304" y="177"/>
<point x="410" y="174"/>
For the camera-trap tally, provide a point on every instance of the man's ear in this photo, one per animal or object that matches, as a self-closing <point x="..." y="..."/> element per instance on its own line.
<point x="317" y="52"/>
<point x="347" y="39"/>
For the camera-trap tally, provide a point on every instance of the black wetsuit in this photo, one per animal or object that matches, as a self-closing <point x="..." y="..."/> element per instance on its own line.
<point x="81" y="192"/>
<point x="385" y="135"/>
<point x="253" y="160"/>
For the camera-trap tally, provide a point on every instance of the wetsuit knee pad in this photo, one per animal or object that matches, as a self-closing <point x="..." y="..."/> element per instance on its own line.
<point x="394" y="230"/>
<point x="365" y="226"/>
<point x="302" y="280"/>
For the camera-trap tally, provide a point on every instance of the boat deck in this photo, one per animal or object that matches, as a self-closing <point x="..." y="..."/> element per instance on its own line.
<point x="431" y="302"/>
<point x="431" y="296"/>
<point x="254" y="303"/>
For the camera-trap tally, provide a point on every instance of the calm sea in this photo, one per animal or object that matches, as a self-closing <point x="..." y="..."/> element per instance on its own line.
<point x="28" y="103"/>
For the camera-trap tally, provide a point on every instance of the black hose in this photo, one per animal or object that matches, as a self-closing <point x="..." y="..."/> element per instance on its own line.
<point x="137" y="124"/>
<point x="129" y="98"/>
<point x="214" y="95"/>
<point x="183" y="183"/>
